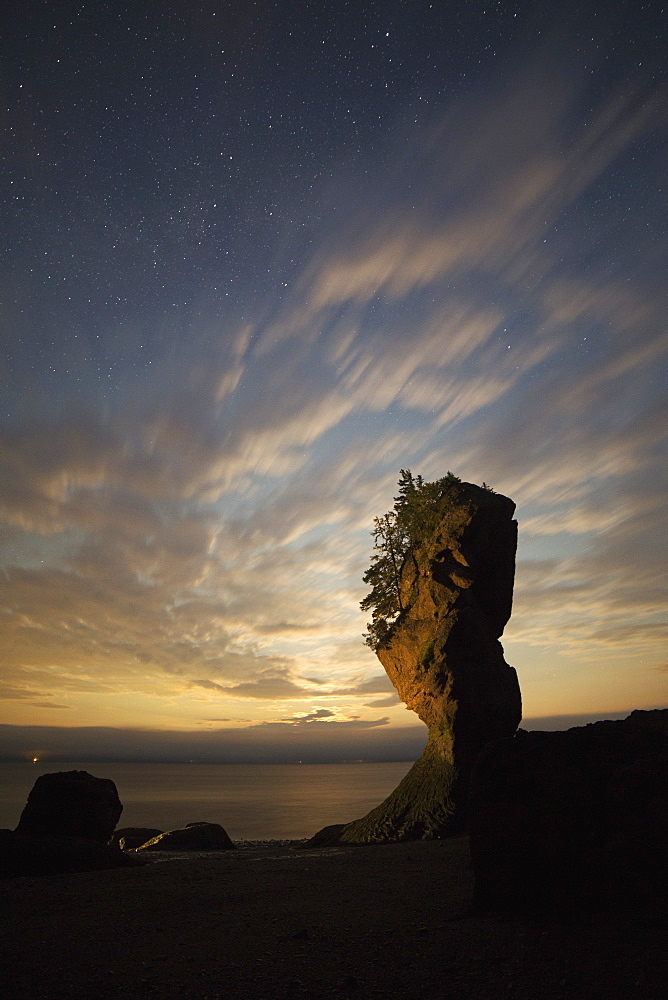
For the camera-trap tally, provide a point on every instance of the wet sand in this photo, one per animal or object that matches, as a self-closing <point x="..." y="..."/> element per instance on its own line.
<point x="275" y="920"/>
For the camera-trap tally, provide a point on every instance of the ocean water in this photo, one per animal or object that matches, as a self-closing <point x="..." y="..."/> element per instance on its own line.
<point x="251" y="801"/>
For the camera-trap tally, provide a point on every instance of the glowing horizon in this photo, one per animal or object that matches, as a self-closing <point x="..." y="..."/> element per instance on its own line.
<point x="225" y="342"/>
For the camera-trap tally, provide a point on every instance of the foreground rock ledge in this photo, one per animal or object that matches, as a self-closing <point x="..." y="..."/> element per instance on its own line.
<point x="446" y="662"/>
<point x="565" y="819"/>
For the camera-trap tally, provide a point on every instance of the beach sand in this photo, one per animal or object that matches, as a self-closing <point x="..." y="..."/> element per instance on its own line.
<point x="275" y="920"/>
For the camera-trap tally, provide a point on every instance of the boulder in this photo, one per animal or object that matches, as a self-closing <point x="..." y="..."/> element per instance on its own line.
<point x="71" y="804"/>
<point x="128" y="838"/>
<point x="444" y="657"/>
<point x="194" y="837"/>
<point x="565" y="819"/>
<point x="65" y="827"/>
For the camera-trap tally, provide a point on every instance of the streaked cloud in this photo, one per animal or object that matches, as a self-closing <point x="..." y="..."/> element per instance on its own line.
<point x="204" y="538"/>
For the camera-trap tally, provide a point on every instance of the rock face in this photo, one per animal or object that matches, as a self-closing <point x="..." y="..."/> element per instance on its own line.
<point x="445" y="660"/>
<point x="558" y="820"/>
<point x="71" y="804"/>
<point x="194" y="837"/>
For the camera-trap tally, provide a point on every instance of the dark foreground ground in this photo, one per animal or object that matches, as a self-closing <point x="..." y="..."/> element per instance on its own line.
<point x="272" y="921"/>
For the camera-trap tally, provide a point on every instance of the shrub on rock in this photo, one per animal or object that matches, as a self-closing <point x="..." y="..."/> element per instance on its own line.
<point x="442" y="590"/>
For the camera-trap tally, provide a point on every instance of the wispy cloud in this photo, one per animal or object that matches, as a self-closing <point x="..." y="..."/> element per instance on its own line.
<point x="205" y="536"/>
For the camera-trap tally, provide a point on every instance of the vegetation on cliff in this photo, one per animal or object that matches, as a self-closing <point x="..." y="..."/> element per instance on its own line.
<point x="441" y="581"/>
<point x="416" y="512"/>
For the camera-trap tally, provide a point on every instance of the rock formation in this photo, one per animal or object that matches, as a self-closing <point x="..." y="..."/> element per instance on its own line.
<point x="445" y="659"/>
<point x="194" y="837"/>
<point x="71" y="804"/>
<point x="128" y="838"/>
<point x="558" y="820"/>
<point x="65" y="827"/>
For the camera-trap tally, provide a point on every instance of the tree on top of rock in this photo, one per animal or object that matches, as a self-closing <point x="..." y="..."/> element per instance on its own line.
<point x="442" y="579"/>
<point x="416" y="511"/>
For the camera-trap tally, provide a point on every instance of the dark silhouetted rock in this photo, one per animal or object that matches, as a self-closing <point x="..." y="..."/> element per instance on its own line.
<point x="560" y="820"/>
<point x="445" y="660"/>
<point x="327" y="836"/>
<point x="128" y="838"/>
<point x="65" y="827"/>
<point x="71" y="804"/>
<point x="195" y="837"/>
<point x="35" y="855"/>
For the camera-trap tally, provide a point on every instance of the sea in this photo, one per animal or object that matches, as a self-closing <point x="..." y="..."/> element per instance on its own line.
<point x="251" y="801"/>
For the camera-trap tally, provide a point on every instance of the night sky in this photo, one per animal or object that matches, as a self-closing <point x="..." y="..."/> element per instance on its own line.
<point x="257" y="257"/>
